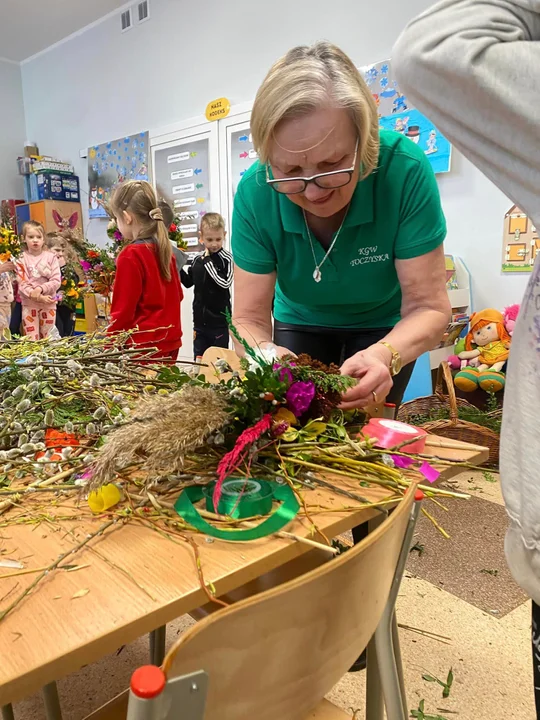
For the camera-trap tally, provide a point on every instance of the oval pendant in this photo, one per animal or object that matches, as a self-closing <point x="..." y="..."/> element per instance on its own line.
<point x="317" y="276"/>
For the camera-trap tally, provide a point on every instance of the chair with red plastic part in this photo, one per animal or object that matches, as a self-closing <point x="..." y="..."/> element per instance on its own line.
<point x="275" y="655"/>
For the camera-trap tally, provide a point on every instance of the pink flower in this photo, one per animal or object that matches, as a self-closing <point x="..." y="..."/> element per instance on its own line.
<point x="86" y="266"/>
<point x="285" y="375"/>
<point x="299" y="397"/>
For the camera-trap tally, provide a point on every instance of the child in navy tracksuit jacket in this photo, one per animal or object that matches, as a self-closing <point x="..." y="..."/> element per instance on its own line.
<point x="211" y="275"/>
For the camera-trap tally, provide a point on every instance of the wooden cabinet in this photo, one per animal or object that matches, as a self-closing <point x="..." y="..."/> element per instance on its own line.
<point x="52" y="214"/>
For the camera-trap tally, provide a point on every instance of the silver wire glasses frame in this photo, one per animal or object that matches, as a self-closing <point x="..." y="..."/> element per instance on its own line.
<point x="326" y="181"/>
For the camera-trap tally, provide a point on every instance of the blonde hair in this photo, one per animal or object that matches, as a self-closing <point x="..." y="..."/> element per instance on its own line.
<point x="139" y="199"/>
<point x="32" y="224"/>
<point x="212" y="221"/>
<point x="308" y="78"/>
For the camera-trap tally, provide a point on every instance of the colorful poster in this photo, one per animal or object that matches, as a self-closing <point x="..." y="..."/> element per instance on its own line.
<point x="182" y="175"/>
<point x="243" y="155"/>
<point x="396" y="113"/>
<point x="110" y="164"/>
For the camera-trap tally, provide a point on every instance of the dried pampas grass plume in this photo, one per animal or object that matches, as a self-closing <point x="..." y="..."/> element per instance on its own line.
<point x="161" y="430"/>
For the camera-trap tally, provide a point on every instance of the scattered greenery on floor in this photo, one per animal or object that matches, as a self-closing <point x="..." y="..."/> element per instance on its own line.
<point x="420" y="713"/>
<point x="446" y="685"/>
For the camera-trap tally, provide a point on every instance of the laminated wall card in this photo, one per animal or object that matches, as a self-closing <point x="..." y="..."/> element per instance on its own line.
<point x="110" y="164"/>
<point x="396" y="113"/>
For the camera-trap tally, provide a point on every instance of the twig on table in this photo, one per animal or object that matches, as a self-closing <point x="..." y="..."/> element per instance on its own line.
<point x="189" y="541"/>
<point x="341" y="491"/>
<point x="301" y="498"/>
<point x="55" y="564"/>
<point x="112" y="564"/>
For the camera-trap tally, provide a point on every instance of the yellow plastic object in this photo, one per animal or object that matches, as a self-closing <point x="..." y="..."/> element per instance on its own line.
<point x="106" y="497"/>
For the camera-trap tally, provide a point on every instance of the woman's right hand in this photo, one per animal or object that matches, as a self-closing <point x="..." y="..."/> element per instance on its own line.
<point x="7" y="267"/>
<point x="278" y="350"/>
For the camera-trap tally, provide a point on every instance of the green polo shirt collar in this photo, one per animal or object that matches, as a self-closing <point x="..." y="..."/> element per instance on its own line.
<point x="360" y="210"/>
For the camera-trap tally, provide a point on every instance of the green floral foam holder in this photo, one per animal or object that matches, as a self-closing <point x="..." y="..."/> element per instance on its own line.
<point x="240" y="498"/>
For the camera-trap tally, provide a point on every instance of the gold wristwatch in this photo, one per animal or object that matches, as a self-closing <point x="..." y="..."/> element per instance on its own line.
<point x="395" y="363"/>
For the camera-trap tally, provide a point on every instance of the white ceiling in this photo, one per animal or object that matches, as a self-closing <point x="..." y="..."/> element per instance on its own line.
<point x="28" y="26"/>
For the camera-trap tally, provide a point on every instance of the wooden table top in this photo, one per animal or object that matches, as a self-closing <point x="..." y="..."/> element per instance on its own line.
<point x="150" y="582"/>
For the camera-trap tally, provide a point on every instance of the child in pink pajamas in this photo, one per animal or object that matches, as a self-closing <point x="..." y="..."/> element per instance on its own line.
<point x="38" y="273"/>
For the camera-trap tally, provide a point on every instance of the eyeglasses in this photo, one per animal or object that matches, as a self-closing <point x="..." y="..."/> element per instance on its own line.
<point x="327" y="181"/>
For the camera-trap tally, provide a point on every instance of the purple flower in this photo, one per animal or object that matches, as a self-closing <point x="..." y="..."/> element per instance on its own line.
<point x="86" y="266"/>
<point x="118" y="236"/>
<point x="285" y="375"/>
<point x="299" y="397"/>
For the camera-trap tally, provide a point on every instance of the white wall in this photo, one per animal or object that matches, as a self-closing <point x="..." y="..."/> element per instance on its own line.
<point x="103" y="84"/>
<point x="12" y="130"/>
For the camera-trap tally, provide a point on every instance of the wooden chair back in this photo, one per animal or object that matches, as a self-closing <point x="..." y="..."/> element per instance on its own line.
<point x="276" y="655"/>
<point x="210" y="358"/>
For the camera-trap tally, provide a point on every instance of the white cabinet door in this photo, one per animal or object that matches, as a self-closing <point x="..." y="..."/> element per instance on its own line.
<point x="186" y="174"/>
<point x="236" y="156"/>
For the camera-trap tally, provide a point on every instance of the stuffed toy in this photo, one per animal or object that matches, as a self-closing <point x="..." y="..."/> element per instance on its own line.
<point x="510" y="318"/>
<point x="487" y="348"/>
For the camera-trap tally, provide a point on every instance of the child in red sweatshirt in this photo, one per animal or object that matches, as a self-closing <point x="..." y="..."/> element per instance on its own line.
<point x="147" y="291"/>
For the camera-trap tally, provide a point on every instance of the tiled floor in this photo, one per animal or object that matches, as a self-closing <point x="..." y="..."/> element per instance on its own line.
<point x="445" y="592"/>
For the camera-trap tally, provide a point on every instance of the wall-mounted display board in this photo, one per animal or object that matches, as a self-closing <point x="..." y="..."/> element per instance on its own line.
<point x="186" y="174"/>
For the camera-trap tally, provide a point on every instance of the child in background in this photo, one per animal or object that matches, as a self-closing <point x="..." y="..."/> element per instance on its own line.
<point x="147" y="291"/>
<point x="65" y="317"/>
<point x="211" y="276"/>
<point x="6" y="295"/>
<point x="38" y="274"/>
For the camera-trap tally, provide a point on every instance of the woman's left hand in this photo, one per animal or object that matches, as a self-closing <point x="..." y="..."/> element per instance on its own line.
<point x="372" y="369"/>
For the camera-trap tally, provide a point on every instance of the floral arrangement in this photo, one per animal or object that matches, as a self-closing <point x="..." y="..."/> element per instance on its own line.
<point x="71" y="292"/>
<point x="114" y="233"/>
<point x="10" y="246"/>
<point x="99" y="266"/>
<point x="175" y="234"/>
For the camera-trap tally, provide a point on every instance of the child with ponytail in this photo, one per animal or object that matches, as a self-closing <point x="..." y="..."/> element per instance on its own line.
<point x="147" y="291"/>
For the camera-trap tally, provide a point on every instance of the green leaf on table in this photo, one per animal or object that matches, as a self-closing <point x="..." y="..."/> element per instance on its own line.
<point x="429" y="678"/>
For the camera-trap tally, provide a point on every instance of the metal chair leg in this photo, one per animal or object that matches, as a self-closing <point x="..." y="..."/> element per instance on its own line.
<point x="391" y="688"/>
<point x="51" y="700"/>
<point x="157" y="645"/>
<point x="399" y="661"/>
<point x="388" y="653"/>
<point x="374" y="696"/>
<point x="7" y="712"/>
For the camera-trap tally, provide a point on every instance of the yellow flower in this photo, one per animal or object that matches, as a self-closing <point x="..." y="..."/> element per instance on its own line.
<point x="284" y="416"/>
<point x="72" y="293"/>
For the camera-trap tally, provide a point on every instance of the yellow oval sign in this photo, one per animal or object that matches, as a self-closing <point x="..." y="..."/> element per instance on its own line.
<point x="218" y="109"/>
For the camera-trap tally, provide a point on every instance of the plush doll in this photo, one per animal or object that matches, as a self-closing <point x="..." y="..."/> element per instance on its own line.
<point x="487" y="348"/>
<point x="510" y="318"/>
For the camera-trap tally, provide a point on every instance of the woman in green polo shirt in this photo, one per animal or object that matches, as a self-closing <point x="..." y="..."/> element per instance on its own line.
<point x="337" y="229"/>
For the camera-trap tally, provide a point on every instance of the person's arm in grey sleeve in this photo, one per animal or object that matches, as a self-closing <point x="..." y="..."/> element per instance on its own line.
<point x="473" y="68"/>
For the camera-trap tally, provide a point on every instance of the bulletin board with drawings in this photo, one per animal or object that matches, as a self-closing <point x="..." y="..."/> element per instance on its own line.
<point x="182" y="178"/>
